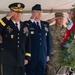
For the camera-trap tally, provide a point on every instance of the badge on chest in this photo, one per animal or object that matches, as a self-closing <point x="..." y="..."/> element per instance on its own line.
<point x="32" y="31"/>
<point x="12" y="36"/>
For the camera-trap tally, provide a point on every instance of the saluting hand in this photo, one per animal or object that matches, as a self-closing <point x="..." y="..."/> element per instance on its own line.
<point x="32" y="17"/>
<point x="10" y="14"/>
<point x="52" y="20"/>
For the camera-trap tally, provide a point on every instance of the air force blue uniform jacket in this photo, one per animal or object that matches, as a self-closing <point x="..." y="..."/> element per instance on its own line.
<point x="40" y="48"/>
<point x="40" y="41"/>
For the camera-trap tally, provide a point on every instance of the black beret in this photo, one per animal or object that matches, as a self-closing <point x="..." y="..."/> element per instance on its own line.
<point x="59" y="14"/>
<point x="36" y="7"/>
<point x="18" y="7"/>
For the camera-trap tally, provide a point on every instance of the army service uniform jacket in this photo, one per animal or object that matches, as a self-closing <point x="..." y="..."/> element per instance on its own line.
<point x="15" y="47"/>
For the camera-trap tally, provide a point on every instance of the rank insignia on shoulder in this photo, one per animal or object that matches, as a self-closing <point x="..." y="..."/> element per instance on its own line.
<point x="25" y="29"/>
<point x="32" y="32"/>
<point x="46" y="29"/>
<point x="12" y="36"/>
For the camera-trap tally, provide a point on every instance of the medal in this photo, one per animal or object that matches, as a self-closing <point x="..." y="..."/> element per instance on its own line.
<point x="25" y="30"/>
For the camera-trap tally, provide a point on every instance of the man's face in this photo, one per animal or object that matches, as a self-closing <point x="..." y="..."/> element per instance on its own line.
<point x="17" y="16"/>
<point x="60" y="20"/>
<point x="36" y="14"/>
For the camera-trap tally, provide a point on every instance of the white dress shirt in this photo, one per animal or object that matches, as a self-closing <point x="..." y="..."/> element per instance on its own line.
<point x="18" y="24"/>
<point x="32" y="20"/>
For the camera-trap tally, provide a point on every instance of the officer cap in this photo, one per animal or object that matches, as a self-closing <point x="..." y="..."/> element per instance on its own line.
<point x="36" y="7"/>
<point x="59" y="14"/>
<point x="17" y="7"/>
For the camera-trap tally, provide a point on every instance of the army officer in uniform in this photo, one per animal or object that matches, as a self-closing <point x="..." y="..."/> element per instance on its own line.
<point x="40" y="43"/>
<point x="15" y="47"/>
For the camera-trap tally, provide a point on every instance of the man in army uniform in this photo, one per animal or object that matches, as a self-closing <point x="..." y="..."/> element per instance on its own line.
<point x="57" y="31"/>
<point x="40" y="43"/>
<point x="15" y="47"/>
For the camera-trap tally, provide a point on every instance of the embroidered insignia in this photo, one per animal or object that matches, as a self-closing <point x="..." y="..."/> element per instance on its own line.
<point x="18" y="5"/>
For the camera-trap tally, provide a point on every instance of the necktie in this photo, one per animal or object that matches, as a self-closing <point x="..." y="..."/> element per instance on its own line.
<point x="38" y="27"/>
<point x="17" y="26"/>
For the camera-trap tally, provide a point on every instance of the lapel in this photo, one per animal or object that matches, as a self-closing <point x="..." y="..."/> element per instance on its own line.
<point x="32" y="25"/>
<point x="35" y="27"/>
<point x="15" y="28"/>
<point x="21" y="27"/>
<point x="42" y="26"/>
<point x="12" y="25"/>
